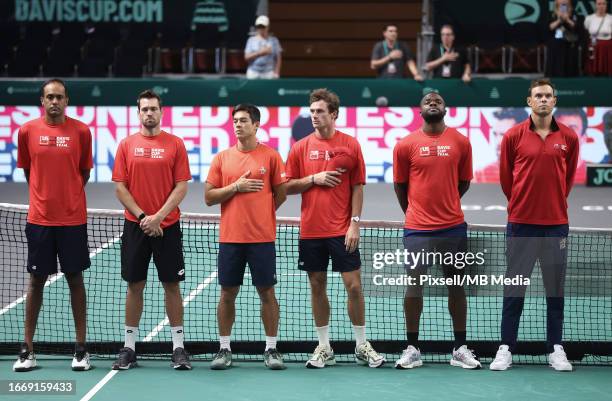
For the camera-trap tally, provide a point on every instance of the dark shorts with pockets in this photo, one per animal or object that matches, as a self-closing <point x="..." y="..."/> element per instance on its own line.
<point x="167" y="251"/>
<point x="48" y="243"/>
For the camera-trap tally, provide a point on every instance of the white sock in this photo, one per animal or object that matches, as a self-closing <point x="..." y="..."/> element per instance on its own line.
<point x="323" y="334"/>
<point x="224" y="342"/>
<point x="270" y="343"/>
<point x="131" y="334"/>
<point x="178" y="335"/>
<point x="360" y="336"/>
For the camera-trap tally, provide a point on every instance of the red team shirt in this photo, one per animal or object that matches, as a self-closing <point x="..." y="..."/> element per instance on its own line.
<point x="326" y="212"/>
<point x="432" y="166"/>
<point x="55" y="156"/>
<point x="150" y="167"/>
<point x="248" y="217"/>
<point x="537" y="175"/>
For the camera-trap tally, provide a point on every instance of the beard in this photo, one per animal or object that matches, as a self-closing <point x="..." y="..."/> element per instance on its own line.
<point x="433" y="118"/>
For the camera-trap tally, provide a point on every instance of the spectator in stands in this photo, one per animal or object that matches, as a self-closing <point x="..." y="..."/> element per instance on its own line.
<point x="564" y="41"/>
<point x="263" y="52"/>
<point x="599" y="28"/>
<point x="446" y="61"/>
<point x="389" y="56"/>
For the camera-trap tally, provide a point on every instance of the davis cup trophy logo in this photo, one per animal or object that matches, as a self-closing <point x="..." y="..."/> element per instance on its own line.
<point x="522" y="11"/>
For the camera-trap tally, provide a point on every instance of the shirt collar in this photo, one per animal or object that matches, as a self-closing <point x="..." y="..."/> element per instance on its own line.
<point x="553" y="125"/>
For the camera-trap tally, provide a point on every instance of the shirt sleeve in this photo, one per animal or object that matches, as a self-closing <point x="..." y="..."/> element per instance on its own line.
<point x="23" y="151"/>
<point x="358" y="174"/>
<point x="250" y="44"/>
<point x="571" y="162"/>
<point x="377" y="51"/>
<point x="433" y="53"/>
<point x="120" y="173"/>
<point x="278" y="49"/>
<point x="401" y="164"/>
<point x="181" y="170"/>
<point x="215" y="178"/>
<point x="278" y="170"/>
<point x="465" y="166"/>
<point x="86" y="162"/>
<point x="292" y="168"/>
<point x="506" y="165"/>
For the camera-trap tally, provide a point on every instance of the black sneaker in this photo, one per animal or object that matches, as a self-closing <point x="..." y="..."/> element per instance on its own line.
<point x="26" y="360"/>
<point x="126" y="359"/>
<point x="180" y="359"/>
<point x="80" y="361"/>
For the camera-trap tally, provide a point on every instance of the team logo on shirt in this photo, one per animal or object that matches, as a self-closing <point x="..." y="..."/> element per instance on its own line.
<point x="319" y="154"/>
<point x="560" y="146"/>
<point x="434" y="150"/>
<point x="149" y="153"/>
<point x="262" y="170"/>
<point x="55" y="141"/>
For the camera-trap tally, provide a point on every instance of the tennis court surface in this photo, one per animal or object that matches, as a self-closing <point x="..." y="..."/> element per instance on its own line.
<point x="587" y="330"/>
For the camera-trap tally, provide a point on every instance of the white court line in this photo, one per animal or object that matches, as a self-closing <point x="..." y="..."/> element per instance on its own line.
<point x="194" y="293"/>
<point x="58" y="276"/>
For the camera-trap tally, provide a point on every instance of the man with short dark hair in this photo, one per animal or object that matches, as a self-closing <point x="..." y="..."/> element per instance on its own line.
<point x="390" y="56"/>
<point x="151" y="172"/>
<point x="446" y="60"/>
<point x="248" y="180"/>
<point x="328" y="170"/>
<point x="537" y="166"/>
<point x="432" y="169"/>
<point x="55" y="154"/>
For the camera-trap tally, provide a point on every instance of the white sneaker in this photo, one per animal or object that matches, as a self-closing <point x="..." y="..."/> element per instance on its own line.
<point x="503" y="359"/>
<point x="80" y="361"/>
<point x="411" y="358"/>
<point x="366" y="355"/>
<point x="465" y="358"/>
<point x="323" y="356"/>
<point x="558" y="360"/>
<point x="26" y="360"/>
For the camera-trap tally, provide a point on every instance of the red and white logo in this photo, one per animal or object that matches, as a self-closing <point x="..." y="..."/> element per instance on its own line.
<point x="262" y="170"/>
<point x="424" y="151"/>
<point x="149" y="153"/>
<point x="55" y="141"/>
<point x="314" y="155"/>
<point x="560" y="146"/>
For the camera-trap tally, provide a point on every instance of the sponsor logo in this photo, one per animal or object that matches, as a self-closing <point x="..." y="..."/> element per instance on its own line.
<point x="319" y="154"/>
<point x="517" y="11"/>
<point x="562" y="243"/>
<point x="283" y="175"/>
<point x="262" y="170"/>
<point x="33" y="267"/>
<point x="314" y="155"/>
<point x="560" y="146"/>
<point x="149" y="153"/>
<point x="439" y="150"/>
<point x="181" y="272"/>
<point x="56" y="141"/>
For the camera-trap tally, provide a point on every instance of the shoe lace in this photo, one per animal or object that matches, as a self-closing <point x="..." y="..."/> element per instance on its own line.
<point x="466" y="352"/>
<point x="222" y="353"/>
<point x="410" y="352"/>
<point x="369" y="351"/>
<point x="274" y="354"/>
<point x="320" y="352"/>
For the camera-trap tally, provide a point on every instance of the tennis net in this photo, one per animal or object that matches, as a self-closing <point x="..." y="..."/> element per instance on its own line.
<point x="588" y="297"/>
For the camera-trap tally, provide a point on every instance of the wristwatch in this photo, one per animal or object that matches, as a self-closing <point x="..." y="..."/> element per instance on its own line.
<point x="142" y="216"/>
<point x="356" y="219"/>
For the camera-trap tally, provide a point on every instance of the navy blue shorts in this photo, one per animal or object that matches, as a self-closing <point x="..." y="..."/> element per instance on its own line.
<point x="452" y="239"/>
<point x="233" y="258"/>
<point x="137" y="248"/>
<point x="48" y="243"/>
<point x="315" y="253"/>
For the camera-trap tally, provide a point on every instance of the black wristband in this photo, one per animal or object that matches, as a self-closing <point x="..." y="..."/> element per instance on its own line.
<point x="142" y="216"/>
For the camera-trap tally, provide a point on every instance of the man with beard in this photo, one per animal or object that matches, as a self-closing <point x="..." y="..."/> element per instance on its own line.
<point x="151" y="172"/>
<point x="537" y="167"/>
<point x="432" y="169"/>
